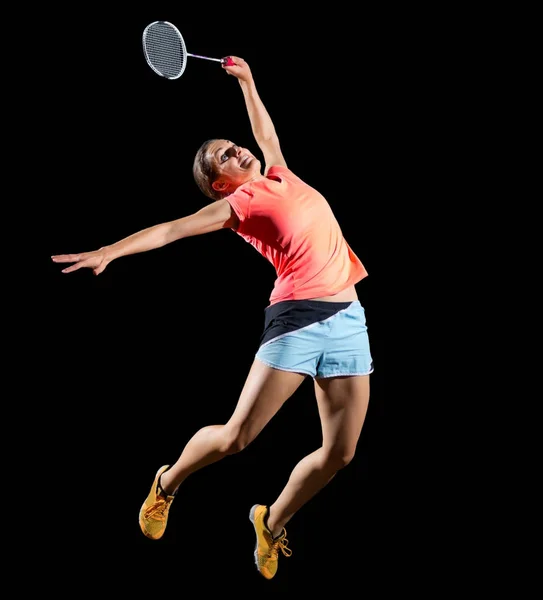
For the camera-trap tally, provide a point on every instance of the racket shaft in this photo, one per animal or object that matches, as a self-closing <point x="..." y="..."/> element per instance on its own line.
<point x="204" y="57"/>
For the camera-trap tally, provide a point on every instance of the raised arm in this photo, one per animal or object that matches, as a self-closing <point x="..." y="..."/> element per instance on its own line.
<point x="261" y="123"/>
<point x="212" y="217"/>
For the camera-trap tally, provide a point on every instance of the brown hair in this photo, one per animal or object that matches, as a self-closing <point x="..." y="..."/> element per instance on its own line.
<point x="204" y="171"/>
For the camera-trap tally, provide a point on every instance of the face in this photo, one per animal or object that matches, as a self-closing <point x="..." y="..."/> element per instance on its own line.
<point x="235" y="165"/>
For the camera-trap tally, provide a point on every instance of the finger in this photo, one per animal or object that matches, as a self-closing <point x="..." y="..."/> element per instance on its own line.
<point x="73" y="268"/>
<point x="62" y="258"/>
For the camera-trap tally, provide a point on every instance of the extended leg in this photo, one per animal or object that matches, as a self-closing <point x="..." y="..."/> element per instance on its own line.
<point x="343" y="403"/>
<point x="263" y="394"/>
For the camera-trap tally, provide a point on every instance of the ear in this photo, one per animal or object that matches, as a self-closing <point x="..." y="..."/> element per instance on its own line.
<point x="219" y="186"/>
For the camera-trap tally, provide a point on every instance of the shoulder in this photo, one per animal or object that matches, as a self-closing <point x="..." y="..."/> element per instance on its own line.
<point x="278" y="171"/>
<point x="240" y="201"/>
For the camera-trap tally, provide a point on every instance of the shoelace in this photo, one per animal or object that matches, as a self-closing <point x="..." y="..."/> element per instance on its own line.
<point x="158" y="510"/>
<point x="280" y="544"/>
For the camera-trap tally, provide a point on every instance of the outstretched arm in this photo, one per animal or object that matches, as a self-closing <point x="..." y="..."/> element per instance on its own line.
<point x="261" y="123"/>
<point x="212" y="217"/>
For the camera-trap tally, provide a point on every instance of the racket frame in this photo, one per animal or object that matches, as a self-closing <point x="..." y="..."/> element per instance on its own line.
<point x="183" y="48"/>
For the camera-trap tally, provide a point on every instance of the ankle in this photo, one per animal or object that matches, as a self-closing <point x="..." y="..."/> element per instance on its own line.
<point x="275" y="529"/>
<point x="164" y="487"/>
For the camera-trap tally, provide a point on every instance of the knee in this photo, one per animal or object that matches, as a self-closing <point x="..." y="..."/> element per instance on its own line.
<point x="339" y="458"/>
<point x="234" y="441"/>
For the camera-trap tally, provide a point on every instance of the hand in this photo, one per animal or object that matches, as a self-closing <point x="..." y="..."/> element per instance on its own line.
<point x="96" y="261"/>
<point x="238" y="67"/>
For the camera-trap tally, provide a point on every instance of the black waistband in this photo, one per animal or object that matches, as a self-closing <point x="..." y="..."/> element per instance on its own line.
<point x="290" y="315"/>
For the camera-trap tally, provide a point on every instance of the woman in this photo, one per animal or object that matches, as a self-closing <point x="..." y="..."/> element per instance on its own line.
<point x="314" y="324"/>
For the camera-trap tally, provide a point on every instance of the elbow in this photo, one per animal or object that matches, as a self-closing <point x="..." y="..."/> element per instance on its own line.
<point x="174" y="233"/>
<point x="268" y="136"/>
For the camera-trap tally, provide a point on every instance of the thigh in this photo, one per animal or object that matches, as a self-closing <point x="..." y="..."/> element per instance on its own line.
<point x="343" y="404"/>
<point x="347" y="350"/>
<point x="266" y="389"/>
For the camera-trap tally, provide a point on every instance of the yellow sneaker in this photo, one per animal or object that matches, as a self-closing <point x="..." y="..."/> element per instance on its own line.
<point x="267" y="548"/>
<point x="154" y="511"/>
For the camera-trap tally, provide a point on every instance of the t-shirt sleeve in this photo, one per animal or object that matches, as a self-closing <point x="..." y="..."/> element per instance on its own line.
<point x="278" y="170"/>
<point x="240" y="202"/>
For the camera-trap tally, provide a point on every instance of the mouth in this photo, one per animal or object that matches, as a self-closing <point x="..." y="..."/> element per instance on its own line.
<point x="245" y="160"/>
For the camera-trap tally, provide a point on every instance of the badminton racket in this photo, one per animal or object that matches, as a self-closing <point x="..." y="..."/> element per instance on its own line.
<point x="165" y="50"/>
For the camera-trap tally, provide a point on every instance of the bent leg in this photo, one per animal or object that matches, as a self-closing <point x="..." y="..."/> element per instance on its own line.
<point x="343" y="404"/>
<point x="265" y="390"/>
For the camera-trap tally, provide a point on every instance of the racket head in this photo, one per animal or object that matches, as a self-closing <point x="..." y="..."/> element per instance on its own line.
<point x="164" y="49"/>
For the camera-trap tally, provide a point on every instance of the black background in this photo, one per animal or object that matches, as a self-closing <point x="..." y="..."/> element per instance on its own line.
<point x="159" y="345"/>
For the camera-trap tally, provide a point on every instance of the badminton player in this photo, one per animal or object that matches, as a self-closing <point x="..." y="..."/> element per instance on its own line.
<point x="314" y="324"/>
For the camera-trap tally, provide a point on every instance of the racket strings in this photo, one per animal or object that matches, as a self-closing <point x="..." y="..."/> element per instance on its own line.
<point x="164" y="50"/>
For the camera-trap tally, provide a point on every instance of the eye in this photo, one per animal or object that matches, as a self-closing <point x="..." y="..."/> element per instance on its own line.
<point x="224" y="157"/>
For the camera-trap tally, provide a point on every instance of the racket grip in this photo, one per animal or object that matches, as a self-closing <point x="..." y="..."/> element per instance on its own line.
<point x="227" y="61"/>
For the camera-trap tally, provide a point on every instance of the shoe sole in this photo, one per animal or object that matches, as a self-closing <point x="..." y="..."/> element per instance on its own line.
<point x="252" y="519"/>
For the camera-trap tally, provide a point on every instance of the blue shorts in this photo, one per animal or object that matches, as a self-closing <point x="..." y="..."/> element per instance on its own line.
<point x="316" y="338"/>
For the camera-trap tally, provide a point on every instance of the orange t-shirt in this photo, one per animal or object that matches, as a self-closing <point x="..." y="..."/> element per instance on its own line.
<point x="293" y="226"/>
